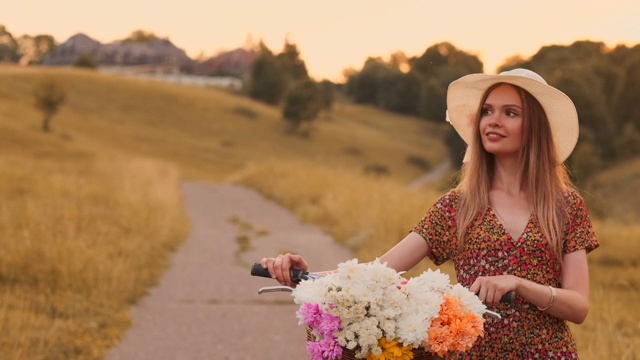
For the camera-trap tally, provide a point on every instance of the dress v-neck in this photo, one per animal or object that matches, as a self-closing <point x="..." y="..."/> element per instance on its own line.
<point x="504" y="227"/>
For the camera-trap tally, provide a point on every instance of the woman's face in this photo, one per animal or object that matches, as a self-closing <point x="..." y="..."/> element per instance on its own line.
<point x="501" y="122"/>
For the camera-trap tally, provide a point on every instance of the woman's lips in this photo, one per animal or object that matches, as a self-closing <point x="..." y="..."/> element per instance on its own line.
<point x="494" y="135"/>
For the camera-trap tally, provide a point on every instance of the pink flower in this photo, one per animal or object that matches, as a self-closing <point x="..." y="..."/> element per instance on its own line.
<point x="325" y="324"/>
<point x="310" y="313"/>
<point x="328" y="324"/>
<point x="325" y="349"/>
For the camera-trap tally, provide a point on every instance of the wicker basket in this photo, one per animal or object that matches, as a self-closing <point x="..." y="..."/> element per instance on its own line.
<point x="418" y="354"/>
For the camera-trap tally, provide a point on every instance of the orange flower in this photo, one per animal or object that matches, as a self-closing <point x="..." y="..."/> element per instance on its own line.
<point x="453" y="330"/>
<point x="440" y="340"/>
<point x="450" y="308"/>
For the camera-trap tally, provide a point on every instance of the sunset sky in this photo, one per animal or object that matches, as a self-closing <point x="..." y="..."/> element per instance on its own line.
<point x="336" y="34"/>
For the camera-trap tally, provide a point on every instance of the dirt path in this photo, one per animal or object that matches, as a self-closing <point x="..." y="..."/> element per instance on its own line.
<point x="207" y="305"/>
<point x="430" y="176"/>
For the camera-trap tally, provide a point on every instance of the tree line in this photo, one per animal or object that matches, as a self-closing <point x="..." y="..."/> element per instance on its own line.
<point x="26" y="50"/>
<point x="603" y="82"/>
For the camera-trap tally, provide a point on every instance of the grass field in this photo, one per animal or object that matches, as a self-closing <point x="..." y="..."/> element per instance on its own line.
<point x="92" y="210"/>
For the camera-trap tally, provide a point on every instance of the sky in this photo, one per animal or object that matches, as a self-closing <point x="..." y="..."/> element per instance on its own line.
<point x="333" y="35"/>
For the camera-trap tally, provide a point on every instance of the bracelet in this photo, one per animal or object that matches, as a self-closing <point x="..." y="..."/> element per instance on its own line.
<point x="553" y="298"/>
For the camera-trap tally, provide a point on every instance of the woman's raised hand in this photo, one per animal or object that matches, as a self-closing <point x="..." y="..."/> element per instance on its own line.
<point x="279" y="267"/>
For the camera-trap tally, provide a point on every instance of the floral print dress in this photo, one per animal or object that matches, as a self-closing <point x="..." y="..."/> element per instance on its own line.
<point x="524" y="332"/>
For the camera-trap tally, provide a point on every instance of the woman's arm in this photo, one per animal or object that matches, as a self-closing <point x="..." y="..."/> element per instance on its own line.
<point x="571" y="301"/>
<point x="407" y="253"/>
<point x="402" y="257"/>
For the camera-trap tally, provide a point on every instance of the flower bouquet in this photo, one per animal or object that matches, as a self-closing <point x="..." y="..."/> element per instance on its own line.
<point x="370" y="310"/>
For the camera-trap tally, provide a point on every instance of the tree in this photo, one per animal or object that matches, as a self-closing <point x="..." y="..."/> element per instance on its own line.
<point x="291" y="64"/>
<point x="271" y="75"/>
<point x="49" y="96"/>
<point x="302" y="103"/>
<point x="31" y="50"/>
<point x="364" y="87"/>
<point x="266" y="82"/>
<point x="445" y="63"/>
<point x="328" y="94"/>
<point x="8" y="46"/>
<point x="399" y="61"/>
<point x="627" y="106"/>
<point x="437" y="67"/>
<point x="399" y="92"/>
<point x="433" y="100"/>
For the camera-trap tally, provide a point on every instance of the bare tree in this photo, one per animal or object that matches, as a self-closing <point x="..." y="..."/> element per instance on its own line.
<point x="49" y="95"/>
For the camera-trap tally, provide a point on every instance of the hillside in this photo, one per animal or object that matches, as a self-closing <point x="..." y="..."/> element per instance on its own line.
<point x="210" y="133"/>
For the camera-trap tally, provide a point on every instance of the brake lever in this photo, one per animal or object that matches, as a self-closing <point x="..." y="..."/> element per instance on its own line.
<point x="279" y="288"/>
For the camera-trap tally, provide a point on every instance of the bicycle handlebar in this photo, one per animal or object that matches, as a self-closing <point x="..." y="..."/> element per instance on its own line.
<point x="298" y="275"/>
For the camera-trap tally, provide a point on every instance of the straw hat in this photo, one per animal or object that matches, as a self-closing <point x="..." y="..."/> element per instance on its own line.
<point x="464" y="96"/>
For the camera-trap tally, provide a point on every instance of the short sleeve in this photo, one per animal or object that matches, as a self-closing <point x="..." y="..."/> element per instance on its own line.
<point x="579" y="232"/>
<point x="438" y="228"/>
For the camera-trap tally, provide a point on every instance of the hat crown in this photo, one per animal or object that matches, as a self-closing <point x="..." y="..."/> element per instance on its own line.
<point x="524" y="73"/>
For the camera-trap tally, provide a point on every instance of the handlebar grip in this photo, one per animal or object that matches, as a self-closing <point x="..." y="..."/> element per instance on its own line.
<point x="508" y="297"/>
<point x="257" y="270"/>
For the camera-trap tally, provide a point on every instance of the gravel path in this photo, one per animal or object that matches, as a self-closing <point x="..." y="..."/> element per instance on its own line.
<point x="207" y="306"/>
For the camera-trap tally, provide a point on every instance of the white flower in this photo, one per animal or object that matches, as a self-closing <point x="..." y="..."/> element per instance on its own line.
<point x="433" y="281"/>
<point x="413" y="330"/>
<point x="421" y="306"/>
<point x="469" y="301"/>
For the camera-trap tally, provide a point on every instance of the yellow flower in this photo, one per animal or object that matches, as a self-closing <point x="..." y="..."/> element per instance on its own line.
<point x="392" y="351"/>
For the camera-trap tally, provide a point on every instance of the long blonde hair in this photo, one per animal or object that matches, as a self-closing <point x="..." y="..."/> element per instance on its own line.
<point x="542" y="178"/>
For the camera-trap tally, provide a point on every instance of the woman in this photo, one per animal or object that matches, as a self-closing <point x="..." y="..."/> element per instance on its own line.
<point x="514" y="223"/>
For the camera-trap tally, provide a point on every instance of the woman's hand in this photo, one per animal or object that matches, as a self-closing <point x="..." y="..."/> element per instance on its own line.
<point x="279" y="267"/>
<point x="490" y="289"/>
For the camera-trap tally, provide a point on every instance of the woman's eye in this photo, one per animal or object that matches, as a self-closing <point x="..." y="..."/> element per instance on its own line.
<point x="485" y="111"/>
<point x="511" y="113"/>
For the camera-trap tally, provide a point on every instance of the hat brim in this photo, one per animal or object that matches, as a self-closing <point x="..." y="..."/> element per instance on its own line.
<point x="464" y="96"/>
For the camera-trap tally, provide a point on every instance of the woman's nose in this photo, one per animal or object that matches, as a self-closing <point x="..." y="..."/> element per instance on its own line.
<point x="494" y="120"/>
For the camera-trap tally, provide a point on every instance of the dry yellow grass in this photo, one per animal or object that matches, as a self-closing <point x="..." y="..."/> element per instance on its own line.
<point x="82" y="238"/>
<point x="612" y="330"/>
<point x="367" y="214"/>
<point x="92" y="189"/>
<point x="208" y="133"/>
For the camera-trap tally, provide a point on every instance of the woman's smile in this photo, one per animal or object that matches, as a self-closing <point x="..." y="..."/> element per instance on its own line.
<point x="494" y="136"/>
